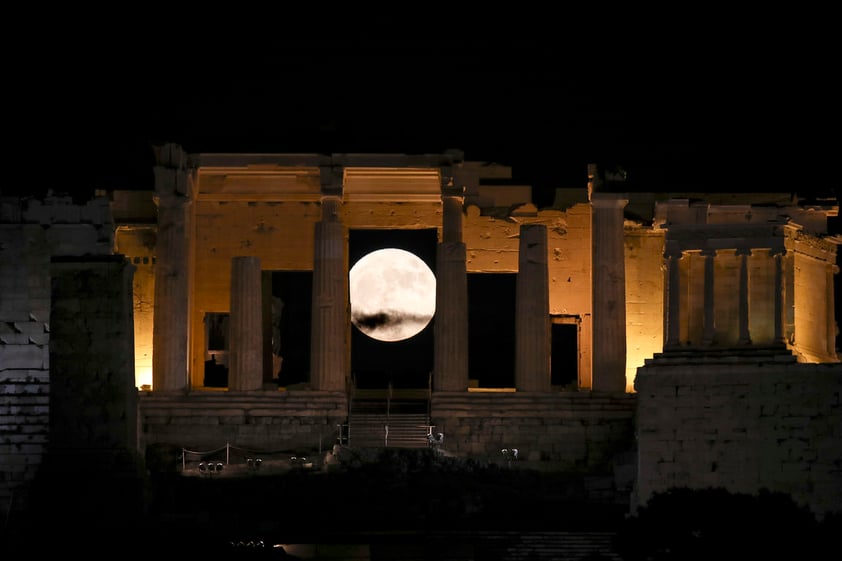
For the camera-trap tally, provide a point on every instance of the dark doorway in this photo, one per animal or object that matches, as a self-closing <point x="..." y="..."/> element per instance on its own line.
<point x="565" y="355"/>
<point x="288" y="334"/>
<point x="216" y="350"/>
<point x="491" y="329"/>
<point x="401" y="364"/>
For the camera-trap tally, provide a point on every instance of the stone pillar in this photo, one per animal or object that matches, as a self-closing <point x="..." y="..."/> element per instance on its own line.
<point x="245" y="326"/>
<point x="789" y="296"/>
<point x="330" y="295"/>
<point x="709" y="332"/>
<point x="532" y="313"/>
<point x="93" y="397"/>
<point x="745" y="335"/>
<point x="171" y="312"/>
<point x="450" y="371"/>
<point x="608" y="292"/>
<point x="831" y="311"/>
<point x="779" y="293"/>
<point x="673" y="327"/>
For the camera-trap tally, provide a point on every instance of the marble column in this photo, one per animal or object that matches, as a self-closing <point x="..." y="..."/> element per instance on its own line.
<point x="330" y="290"/>
<point x="608" y="292"/>
<point x="709" y="328"/>
<point x="450" y="330"/>
<point x="673" y="284"/>
<point x="743" y="308"/>
<point x="245" y="326"/>
<point x="532" y="312"/>
<point x="779" y="293"/>
<point x="789" y="296"/>
<point x="170" y="327"/>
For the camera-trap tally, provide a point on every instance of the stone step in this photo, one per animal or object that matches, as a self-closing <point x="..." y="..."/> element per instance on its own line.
<point x="555" y="545"/>
<point x="532" y="546"/>
<point x="404" y="431"/>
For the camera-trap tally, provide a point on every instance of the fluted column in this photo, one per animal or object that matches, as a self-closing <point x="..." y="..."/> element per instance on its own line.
<point x="743" y="310"/>
<point x="532" y="312"/>
<point x="609" y="292"/>
<point x="673" y="314"/>
<point x="709" y="331"/>
<point x="330" y="289"/>
<point x="245" y="326"/>
<point x="779" y="293"/>
<point x="169" y="335"/>
<point x="450" y="371"/>
<point x="789" y="296"/>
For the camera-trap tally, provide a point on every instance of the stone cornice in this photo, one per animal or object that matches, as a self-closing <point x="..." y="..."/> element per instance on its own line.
<point x="823" y="249"/>
<point x="392" y="184"/>
<point x="724" y="236"/>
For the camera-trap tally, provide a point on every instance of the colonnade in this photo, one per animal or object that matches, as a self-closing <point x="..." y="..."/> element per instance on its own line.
<point x="675" y="286"/>
<point x="328" y="361"/>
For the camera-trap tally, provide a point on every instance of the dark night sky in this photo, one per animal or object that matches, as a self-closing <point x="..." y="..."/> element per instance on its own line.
<point x="722" y="106"/>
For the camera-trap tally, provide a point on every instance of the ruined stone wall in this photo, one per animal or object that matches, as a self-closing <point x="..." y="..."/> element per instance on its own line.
<point x="34" y="233"/>
<point x="770" y="424"/>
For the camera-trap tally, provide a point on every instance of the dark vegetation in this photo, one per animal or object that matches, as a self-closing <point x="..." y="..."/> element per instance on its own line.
<point x="372" y="495"/>
<point x="688" y="525"/>
<point x="381" y="491"/>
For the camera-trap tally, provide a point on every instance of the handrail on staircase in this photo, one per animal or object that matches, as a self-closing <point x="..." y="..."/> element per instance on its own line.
<point x="388" y="400"/>
<point x="429" y="395"/>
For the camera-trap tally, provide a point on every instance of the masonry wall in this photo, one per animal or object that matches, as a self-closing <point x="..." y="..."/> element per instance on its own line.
<point x="743" y="427"/>
<point x="205" y="421"/>
<point x="34" y="234"/>
<point x="24" y="359"/>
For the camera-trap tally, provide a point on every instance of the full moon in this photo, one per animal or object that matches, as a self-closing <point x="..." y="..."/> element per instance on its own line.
<point x="393" y="294"/>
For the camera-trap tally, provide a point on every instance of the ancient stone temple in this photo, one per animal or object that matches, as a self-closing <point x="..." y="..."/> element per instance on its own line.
<point x="646" y="339"/>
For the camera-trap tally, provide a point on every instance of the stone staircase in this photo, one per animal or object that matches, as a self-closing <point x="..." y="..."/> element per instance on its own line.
<point x="503" y="546"/>
<point x="377" y="421"/>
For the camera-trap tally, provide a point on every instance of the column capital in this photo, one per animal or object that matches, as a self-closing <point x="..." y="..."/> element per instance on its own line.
<point x="671" y="254"/>
<point x="452" y="208"/>
<point x="609" y="200"/>
<point x="331" y="204"/>
<point x="171" y="172"/>
<point x="450" y="187"/>
<point x="743" y="251"/>
<point x="777" y="252"/>
<point x="331" y="179"/>
<point x="708" y="253"/>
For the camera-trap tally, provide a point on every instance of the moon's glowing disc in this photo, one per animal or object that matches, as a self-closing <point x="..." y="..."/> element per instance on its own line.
<point x="393" y="294"/>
